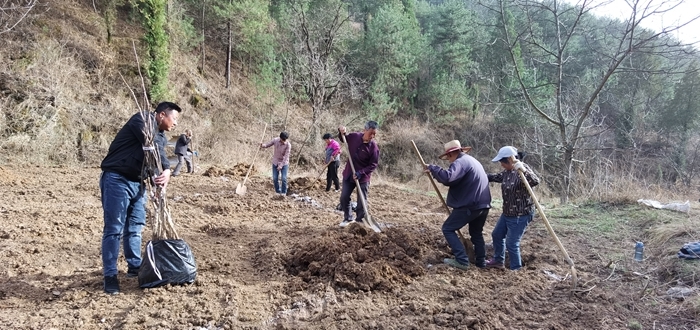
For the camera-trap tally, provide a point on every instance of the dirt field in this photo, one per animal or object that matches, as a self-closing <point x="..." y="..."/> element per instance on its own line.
<point x="268" y="263"/>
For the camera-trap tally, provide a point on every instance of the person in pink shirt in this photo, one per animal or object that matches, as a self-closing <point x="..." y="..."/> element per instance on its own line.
<point x="332" y="161"/>
<point x="280" y="161"/>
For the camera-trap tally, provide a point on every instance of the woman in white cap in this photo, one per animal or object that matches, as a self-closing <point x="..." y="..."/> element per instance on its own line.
<point x="470" y="199"/>
<point x="518" y="209"/>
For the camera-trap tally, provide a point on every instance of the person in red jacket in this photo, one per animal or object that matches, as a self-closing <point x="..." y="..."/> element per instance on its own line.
<point x="332" y="161"/>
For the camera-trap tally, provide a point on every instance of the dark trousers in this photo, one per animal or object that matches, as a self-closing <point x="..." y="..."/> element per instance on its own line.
<point x="348" y="187"/>
<point x="183" y="159"/>
<point x="332" y="175"/>
<point x="458" y="219"/>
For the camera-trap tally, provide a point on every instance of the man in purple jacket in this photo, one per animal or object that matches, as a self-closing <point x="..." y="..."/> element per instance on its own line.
<point x="364" y="153"/>
<point x="470" y="199"/>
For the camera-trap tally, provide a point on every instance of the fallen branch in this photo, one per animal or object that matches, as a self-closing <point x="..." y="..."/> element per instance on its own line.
<point x="611" y="273"/>
<point x="15" y="8"/>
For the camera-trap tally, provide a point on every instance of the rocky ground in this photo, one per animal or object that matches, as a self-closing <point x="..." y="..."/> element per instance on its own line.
<point x="271" y="263"/>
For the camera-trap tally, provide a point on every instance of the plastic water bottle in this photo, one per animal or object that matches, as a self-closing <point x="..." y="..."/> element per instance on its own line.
<point x="639" y="251"/>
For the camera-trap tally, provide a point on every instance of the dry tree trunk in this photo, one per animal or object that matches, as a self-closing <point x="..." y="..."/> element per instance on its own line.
<point x="162" y="223"/>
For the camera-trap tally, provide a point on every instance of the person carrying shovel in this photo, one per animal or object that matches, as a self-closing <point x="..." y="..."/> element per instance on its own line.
<point x="518" y="207"/>
<point x="470" y="199"/>
<point x="280" y="161"/>
<point x="364" y="154"/>
<point x="332" y="161"/>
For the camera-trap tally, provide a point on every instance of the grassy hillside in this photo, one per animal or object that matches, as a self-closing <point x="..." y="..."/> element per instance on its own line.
<point x="62" y="99"/>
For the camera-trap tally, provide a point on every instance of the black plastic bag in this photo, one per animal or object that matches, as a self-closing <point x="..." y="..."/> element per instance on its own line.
<point x="167" y="261"/>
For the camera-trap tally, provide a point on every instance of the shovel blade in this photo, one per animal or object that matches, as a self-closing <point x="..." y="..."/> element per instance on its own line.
<point x="372" y="224"/>
<point x="241" y="190"/>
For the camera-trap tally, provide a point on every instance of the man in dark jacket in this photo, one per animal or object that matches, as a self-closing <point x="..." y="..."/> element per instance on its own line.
<point x="470" y="199"/>
<point x="181" y="150"/>
<point x="364" y="153"/>
<point x="123" y="198"/>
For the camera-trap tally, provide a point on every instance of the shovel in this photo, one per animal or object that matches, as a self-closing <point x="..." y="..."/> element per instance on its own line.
<point x="241" y="188"/>
<point x="193" y="156"/>
<point x="467" y="244"/>
<point x="370" y="222"/>
<point x="546" y="224"/>
<point x="316" y="179"/>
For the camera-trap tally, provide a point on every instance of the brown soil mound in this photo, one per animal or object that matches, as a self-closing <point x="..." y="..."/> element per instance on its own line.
<point x="358" y="259"/>
<point x="239" y="169"/>
<point x="266" y="262"/>
<point x="304" y="183"/>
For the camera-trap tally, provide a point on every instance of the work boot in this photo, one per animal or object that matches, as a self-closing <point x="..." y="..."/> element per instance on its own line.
<point x="492" y="263"/>
<point x="111" y="284"/>
<point x="456" y="264"/>
<point x="132" y="272"/>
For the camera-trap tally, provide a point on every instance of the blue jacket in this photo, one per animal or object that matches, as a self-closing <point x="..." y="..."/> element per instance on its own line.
<point x="125" y="155"/>
<point x="469" y="185"/>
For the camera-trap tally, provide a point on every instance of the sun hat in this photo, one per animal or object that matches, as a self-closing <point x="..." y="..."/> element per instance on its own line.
<point x="451" y="146"/>
<point x="505" y="152"/>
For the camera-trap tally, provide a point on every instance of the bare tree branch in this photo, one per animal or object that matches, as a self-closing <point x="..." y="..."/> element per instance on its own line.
<point x="11" y="14"/>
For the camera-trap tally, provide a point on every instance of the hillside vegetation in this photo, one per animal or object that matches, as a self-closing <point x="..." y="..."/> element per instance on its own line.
<point x="606" y="111"/>
<point x="595" y="117"/>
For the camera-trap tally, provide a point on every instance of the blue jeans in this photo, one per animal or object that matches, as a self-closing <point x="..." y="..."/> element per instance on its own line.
<point x="509" y="231"/>
<point x="124" y="205"/>
<point x="458" y="219"/>
<point x="275" y="179"/>
<point x="348" y="187"/>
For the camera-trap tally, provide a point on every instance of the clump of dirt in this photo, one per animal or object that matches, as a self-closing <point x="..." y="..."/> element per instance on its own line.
<point x="359" y="259"/>
<point x="307" y="183"/>
<point x="239" y="169"/>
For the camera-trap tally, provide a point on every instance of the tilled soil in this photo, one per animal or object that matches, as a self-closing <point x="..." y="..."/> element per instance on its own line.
<point x="284" y="263"/>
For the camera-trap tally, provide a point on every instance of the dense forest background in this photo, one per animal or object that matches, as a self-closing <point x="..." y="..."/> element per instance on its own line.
<point x="601" y="106"/>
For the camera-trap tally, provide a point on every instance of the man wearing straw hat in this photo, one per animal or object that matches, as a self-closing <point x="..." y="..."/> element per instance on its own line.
<point x="470" y="199"/>
<point x="123" y="197"/>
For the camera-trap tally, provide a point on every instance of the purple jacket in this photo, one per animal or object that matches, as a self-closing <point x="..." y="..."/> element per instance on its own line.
<point x="468" y="182"/>
<point x="365" y="157"/>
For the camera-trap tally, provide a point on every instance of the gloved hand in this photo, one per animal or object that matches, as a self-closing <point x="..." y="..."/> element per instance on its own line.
<point x="358" y="175"/>
<point x="519" y="166"/>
